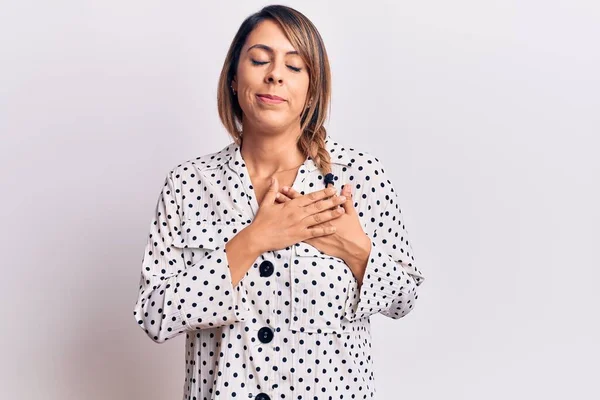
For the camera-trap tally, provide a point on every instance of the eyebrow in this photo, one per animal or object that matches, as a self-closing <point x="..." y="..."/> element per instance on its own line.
<point x="270" y="50"/>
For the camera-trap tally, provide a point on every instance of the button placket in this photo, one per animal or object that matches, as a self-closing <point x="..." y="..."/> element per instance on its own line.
<point x="266" y="334"/>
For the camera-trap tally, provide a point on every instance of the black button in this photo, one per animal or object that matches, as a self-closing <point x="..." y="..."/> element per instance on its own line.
<point x="265" y="334"/>
<point x="262" y="396"/>
<point x="266" y="268"/>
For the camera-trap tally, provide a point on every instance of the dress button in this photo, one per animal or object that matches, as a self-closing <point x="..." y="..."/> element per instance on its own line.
<point x="265" y="334"/>
<point x="262" y="396"/>
<point x="266" y="268"/>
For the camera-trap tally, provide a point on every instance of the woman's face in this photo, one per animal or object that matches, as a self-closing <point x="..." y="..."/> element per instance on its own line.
<point x="269" y="65"/>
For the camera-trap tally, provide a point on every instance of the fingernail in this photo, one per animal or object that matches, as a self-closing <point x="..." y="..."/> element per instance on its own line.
<point x="285" y="188"/>
<point x="343" y="198"/>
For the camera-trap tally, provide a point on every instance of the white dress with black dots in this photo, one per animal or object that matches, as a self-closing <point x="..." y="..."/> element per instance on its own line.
<point x="296" y="326"/>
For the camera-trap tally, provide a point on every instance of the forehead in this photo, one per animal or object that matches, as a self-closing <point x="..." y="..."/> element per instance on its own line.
<point x="269" y="33"/>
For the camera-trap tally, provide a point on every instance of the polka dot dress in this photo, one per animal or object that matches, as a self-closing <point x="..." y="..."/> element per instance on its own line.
<point x="296" y="326"/>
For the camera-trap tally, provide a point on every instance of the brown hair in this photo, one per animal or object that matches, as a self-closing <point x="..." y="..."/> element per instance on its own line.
<point x="305" y="38"/>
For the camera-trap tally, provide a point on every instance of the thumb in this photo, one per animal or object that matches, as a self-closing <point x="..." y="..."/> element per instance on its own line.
<point x="349" y="203"/>
<point x="271" y="194"/>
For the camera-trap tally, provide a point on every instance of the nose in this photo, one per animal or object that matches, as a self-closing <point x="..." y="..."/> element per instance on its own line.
<point x="272" y="78"/>
<point x="274" y="74"/>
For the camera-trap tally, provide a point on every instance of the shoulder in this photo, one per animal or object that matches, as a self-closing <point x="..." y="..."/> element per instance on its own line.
<point x="356" y="159"/>
<point x="202" y="162"/>
<point x="371" y="182"/>
<point x="365" y="166"/>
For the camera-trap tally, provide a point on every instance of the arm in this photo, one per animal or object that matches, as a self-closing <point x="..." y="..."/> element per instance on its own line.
<point x="175" y="295"/>
<point x="390" y="281"/>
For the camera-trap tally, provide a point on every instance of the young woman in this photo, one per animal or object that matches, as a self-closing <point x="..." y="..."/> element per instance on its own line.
<point x="273" y="281"/>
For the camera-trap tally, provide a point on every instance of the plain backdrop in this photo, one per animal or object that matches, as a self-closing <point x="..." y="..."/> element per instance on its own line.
<point x="485" y="113"/>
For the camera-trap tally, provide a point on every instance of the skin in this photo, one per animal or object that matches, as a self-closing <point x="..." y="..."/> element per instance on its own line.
<point x="269" y="64"/>
<point x="270" y="130"/>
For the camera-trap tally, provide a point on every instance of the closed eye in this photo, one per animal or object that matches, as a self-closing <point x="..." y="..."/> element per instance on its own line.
<point x="254" y="62"/>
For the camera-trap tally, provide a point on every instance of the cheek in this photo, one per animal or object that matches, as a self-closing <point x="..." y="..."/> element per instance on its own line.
<point x="247" y="79"/>
<point x="299" y="89"/>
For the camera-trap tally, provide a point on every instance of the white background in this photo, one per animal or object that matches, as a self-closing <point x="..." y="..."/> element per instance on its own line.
<point x="485" y="113"/>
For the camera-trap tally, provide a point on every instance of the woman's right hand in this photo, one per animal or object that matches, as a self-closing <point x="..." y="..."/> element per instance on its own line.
<point x="279" y="225"/>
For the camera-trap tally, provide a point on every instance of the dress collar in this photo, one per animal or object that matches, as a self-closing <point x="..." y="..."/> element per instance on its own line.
<point x="232" y="156"/>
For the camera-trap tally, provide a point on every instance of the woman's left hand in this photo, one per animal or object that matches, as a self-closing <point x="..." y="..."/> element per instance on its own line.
<point x="349" y="242"/>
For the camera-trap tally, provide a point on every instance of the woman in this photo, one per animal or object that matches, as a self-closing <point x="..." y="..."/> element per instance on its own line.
<point x="274" y="283"/>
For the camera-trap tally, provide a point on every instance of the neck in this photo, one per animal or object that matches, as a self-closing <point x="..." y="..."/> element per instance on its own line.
<point x="268" y="153"/>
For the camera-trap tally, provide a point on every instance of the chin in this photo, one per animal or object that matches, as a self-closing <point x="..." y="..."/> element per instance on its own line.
<point x="272" y="124"/>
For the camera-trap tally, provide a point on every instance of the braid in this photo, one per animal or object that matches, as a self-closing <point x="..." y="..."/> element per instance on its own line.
<point x="314" y="146"/>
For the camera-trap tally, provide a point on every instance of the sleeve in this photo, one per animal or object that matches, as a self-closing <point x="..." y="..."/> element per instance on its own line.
<point x="176" y="295"/>
<point x="391" y="277"/>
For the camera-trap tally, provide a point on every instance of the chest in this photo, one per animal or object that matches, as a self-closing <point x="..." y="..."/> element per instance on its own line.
<point x="261" y="185"/>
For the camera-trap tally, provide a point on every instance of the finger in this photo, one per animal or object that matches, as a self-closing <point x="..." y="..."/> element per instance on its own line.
<point x="314" y="197"/>
<point x="324" y="217"/>
<point x="290" y="192"/>
<point x="271" y="194"/>
<point x="320" y="230"/>
<point x="282" y="198"/>
<point x="349" y="203"/>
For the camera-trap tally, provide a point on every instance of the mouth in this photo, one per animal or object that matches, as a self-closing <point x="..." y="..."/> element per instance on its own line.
<point x="269" y="98"/>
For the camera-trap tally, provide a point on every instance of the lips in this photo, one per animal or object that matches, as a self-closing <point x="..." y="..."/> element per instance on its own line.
<point x="270" y="96"/>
